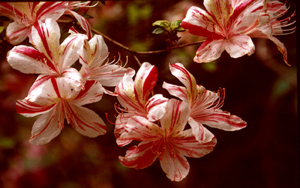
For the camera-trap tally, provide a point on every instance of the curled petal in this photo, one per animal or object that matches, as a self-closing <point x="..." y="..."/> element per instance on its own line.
<point x="87" y="122"/>
<point x="139" y="157"/>
<point x="126" y="94"/>
<point x="144" y="82"/>
<point x="186" y="78"/>
<point x="121" y="122"/>
<point x="74" y="78"/>
<point x="281" y="48"/>
<point x="156" y="107"/>
<point x="83" y="23"/>
<point x="201" y="134"/>
<point x="17" y="33"/>
<point x="45" y="128"/>
<point x="177" y="91"/>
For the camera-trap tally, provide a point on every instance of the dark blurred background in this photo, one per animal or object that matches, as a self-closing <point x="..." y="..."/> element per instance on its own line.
<point x="260" y="89"/>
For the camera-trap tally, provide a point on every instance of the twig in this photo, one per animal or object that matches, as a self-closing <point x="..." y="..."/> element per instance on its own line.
<point x="146" y="52"/>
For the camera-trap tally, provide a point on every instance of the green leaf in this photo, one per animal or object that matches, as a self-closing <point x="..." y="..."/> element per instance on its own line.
<point x="179" y="29"/>
<point x="175" y="24"/>
<point x="158" y="31"/>
<point x="162" y="23"/>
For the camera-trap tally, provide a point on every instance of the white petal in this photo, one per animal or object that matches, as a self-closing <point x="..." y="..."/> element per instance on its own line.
<point x="201" y="134"/>
<point x="156" y="107"/>
<point x="28" y="60"/>
<point x="174" y="165"/>
<point x="209" y="50"/>
<point x="145" y="81"/>
<point x="93" y="92"/>
<point x="45" y="37"/>
<point x="239" y="45"/>
<point x="87" y="122"/>
<point x="17" y="33"/>
<point x="68" y="50"/>
<point x="177" y="91"/>
<point x="176" y="116"/>
<point x="45" y="128"/>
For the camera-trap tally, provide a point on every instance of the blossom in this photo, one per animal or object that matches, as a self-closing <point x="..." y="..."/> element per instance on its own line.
<point x="168" y="141"/>
<point x="204" y="104"/>
<point x="92" y="56"/>
<point x="48" y="58"/>
<point x="134" y="96"/>
<point x="230" y="24"/>
<point x="55" y="100"/>
<point x="26" y="14"/>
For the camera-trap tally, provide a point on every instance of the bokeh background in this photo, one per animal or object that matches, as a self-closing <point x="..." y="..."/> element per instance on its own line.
<point x="260" y="88"/>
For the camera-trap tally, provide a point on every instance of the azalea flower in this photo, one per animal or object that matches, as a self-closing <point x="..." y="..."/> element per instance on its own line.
<point x="92" y="56"/>
<point x="26" y="14"/>
<point x="168" y="142"/>
<point x="134" y="96"/>
<point x="48" y="58"/>
<point x="55" y="100"/>
<point x="204" y="104"/>
<point x="230" y="24"/>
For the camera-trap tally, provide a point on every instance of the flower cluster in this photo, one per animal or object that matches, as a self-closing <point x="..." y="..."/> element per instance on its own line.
<point x="161" y="124"/>
<point x="60" y="90"/>
<point x="168" y="129"/>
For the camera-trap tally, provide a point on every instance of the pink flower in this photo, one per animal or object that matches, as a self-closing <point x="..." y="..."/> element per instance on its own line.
<point x="48" y="58"/>
<point x="55" y="100"/>
<point x="92" y="56"/>
<point x="26" y="14"/>
<point x="168" y="141"/>
<point x="204" y="104"/>
<point x="230" y="24"/>
<point x="134" y="97"/>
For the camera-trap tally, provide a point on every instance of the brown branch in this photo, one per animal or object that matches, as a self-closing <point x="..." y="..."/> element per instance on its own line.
<point x="146" y="52"/>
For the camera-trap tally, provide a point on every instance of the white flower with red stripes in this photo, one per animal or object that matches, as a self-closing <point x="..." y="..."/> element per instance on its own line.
<point x="167" y="140"/>
<point x="56" y="100"/>
<point x="48" y="58"/>
<point x="27" y="14"/>
<point x="204" y="104"/>
<point x="230" y="24"/>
